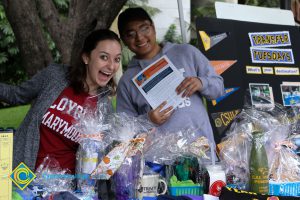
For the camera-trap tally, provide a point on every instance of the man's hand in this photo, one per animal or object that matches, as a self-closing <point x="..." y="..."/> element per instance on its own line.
<point x="159" y="116"/>
<point x="189" y="86"/>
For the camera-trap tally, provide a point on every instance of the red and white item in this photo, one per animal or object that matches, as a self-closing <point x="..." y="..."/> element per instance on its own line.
<point x="217" y="179"/>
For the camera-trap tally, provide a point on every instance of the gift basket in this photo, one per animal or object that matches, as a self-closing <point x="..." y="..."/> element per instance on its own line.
<point x="180" y="156"/>
<point x="294" y="116"/>
<point x="110" y="150"/>
<point x="285" y="171"/>
<point x="95" y="137"/>
<point x="124" y="161"/>
<point x="258" y="151"/>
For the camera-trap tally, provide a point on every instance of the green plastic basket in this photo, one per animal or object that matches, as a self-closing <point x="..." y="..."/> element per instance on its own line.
<point x="181" y="190"/>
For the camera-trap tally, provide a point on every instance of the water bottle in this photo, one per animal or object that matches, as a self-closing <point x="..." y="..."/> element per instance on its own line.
<point x="258" y="165"/>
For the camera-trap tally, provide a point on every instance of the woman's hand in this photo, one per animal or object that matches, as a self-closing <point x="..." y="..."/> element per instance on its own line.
<point x="159" y="116"/>
<point x="189" y="86"/>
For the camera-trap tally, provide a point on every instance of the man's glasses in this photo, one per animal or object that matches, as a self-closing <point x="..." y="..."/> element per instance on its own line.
<point x="143" y="30"/>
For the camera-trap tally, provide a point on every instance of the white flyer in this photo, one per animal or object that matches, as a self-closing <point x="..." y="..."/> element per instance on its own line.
<point x="158" y="83"/>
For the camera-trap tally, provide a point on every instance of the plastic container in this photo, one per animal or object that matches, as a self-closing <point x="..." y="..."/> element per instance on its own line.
<point x="182" y="190"/>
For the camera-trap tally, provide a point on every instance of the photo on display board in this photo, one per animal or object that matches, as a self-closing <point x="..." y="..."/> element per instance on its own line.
<point x="290" y="94"/>
<point x="261" y="94"/>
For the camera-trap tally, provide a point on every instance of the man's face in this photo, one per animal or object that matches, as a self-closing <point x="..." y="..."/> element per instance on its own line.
<point x="140" y="37"/>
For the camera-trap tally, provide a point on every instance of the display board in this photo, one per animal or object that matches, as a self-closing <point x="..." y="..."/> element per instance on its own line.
<point x="259" y="63"/>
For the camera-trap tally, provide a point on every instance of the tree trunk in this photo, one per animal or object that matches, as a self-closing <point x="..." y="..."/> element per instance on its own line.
<point x="28" y="31"/>
<point x="95" y="16"/>
<point x="27" y="18"/>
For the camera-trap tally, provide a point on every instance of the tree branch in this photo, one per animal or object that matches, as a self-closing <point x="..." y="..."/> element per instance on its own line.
<point x="60" y="33"/>
<point x="108" y="12"/>
<point x="101" y="17"/>
<point x="27" y="28"/>
<point x="77" y="8"/>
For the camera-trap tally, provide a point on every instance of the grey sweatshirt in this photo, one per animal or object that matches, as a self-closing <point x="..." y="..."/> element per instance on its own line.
<point x="41" y="90"/>
<point x="191" y="113"/>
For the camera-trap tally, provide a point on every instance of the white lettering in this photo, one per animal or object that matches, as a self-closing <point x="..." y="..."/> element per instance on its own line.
<point x="58" y="124"/>
<point x="48" y="122"/>
<point x="79" y="110"/>
<point x="62" y="104"/>
<point x="66" y="129"/>
<point x="45" y="117"/>
<point x="186" y="103"/>
<point x="70" y="132"/>
<point x="71" y="106"/>
<point x="61" y="124"/>
<point x="55" y="123"/>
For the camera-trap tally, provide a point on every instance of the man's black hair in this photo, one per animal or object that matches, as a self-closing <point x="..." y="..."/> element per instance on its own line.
<point x="131" y="14"/>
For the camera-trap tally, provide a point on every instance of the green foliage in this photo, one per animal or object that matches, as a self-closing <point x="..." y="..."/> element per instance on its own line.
<point x="62" y="6"/>
<point x="11" y="70"/>
<point x="206" y="10"/>
<point x="126" y="56"/>
<point x="264" y="3"/>
<point x="144" y="4"/>
<point x="55" y="53"/>
<point x="171" y="35"/>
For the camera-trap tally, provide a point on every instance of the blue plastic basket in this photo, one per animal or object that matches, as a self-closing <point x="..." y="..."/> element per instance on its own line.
<point x="181" y="190"/>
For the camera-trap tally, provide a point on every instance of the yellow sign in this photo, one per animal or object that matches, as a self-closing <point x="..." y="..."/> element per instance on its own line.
<point x="223" y="119"/>
<point x="268" y="70"/>
<point x="22" y="176"/>
<point x="253" y="70"/>
<point x="205" y="40"/>
<point x="6" y="159"/>
<point x="286" y="71"/>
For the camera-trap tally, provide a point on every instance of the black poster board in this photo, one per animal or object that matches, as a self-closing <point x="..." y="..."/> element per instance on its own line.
<point x="236" y="46"/>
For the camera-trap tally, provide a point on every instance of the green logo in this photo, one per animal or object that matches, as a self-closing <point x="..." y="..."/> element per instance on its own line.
<point x="22" y="176"/>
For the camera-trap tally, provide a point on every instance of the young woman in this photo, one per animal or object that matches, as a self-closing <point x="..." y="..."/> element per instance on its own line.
<point x="137" y="31"/>
<point x="58" y="94"/>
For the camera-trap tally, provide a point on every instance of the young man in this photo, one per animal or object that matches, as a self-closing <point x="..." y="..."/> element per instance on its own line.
<point x="138" y="33"/>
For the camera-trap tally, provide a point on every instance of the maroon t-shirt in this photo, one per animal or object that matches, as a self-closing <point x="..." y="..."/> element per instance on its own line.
<point x="58" y="136"/>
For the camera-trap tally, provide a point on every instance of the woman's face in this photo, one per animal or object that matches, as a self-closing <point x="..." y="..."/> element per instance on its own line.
<point x="102" y="63"/>
<point x="140" y="37"/>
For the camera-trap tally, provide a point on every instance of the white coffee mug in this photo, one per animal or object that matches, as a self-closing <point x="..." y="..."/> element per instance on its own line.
<point x="149" y="186"/>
